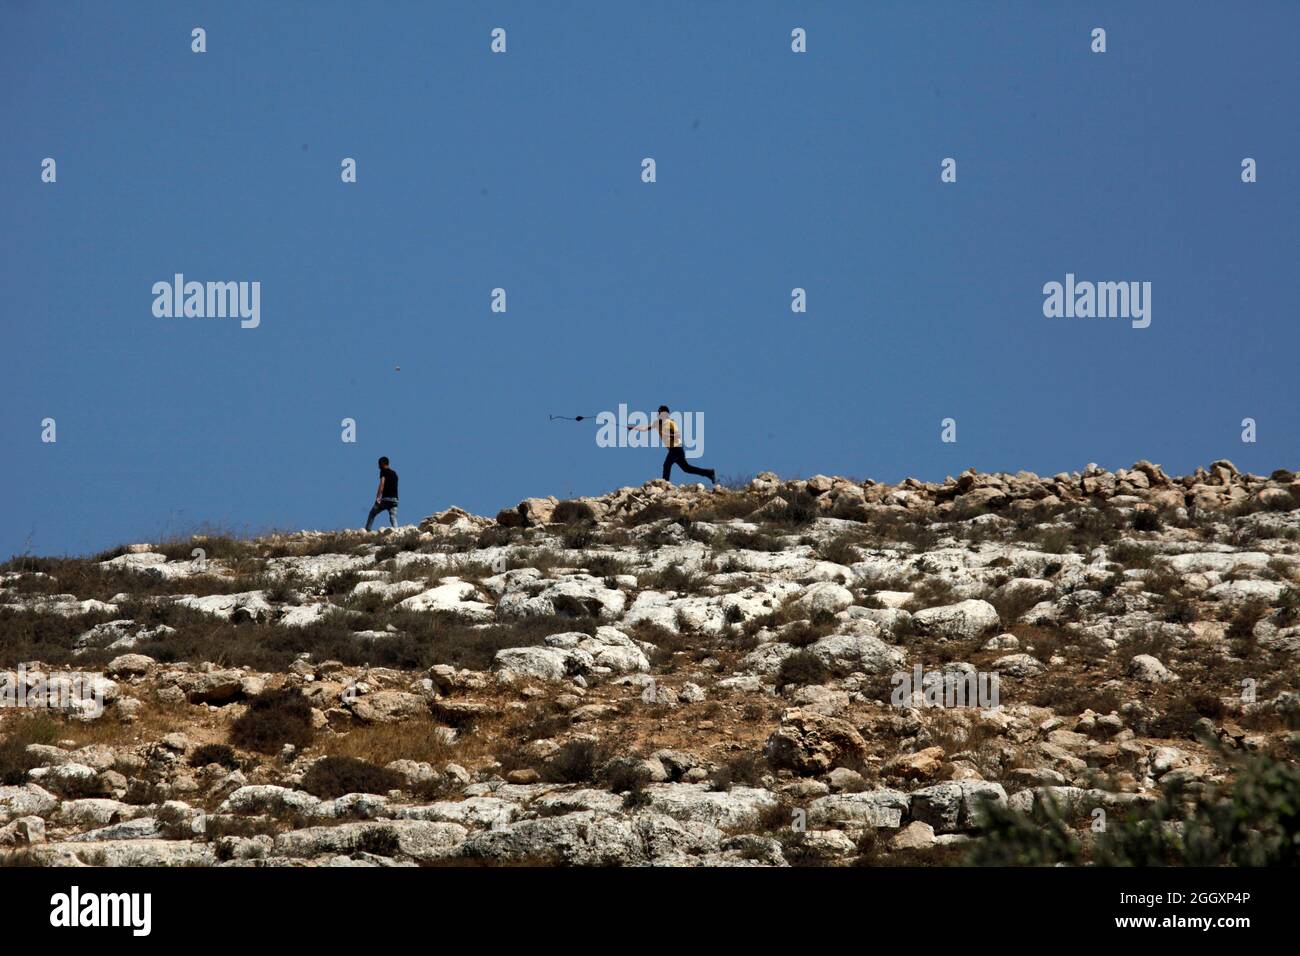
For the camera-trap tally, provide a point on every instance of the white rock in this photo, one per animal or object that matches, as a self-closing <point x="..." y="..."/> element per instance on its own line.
<point x="1149" y="670"/>
<point x="962" y="621"/>
<point x="454" y="597"/>
<point x="246" y="605"/>
<point x="823" y="597"/>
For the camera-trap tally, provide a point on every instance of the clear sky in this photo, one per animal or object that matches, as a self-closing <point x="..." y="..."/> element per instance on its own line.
<point x="522" y="170"/>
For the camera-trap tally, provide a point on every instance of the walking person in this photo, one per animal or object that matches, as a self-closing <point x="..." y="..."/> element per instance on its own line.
<point x="385" y="495"/>
<point x="671" y="436"/>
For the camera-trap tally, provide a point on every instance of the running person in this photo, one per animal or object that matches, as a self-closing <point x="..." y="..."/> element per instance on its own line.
<point x="671" y="436"/>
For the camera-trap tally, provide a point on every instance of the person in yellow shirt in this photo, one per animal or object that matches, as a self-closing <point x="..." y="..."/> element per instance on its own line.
<point x="671" y="435"/>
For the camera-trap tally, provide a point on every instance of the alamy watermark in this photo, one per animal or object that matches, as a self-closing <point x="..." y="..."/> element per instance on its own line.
<point x="1098" y="300"/>
<point x="209" y="300"/>
<point x="613" y="430"/>
<point x="74" y="908"/>
<point x="922" y="688"/>
<point x="79" y="692"/>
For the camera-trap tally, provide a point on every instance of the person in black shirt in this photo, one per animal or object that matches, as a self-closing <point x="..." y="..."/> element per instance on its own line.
<point x="385" y="496"/>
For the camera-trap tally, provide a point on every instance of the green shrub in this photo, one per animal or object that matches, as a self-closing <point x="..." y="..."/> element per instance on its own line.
<point x="579" y="535"/>
<point x="746" y="540"/>
<point x="1131" y="554"/>
<point x="395" y="544"/>
<point x="1013" y="838"/>
<point x="626" y="776"/>
<point x="1010" y="605"/>
<point x="1147" y="519"/>
<point x="800" y="509"/>
<point x="1241" y="629"/>
<point x="511" y="518"/>
<point x="1288" y="607"/>
<point x="655" y="511"/>
<point x="573" y="512"/>
<point x="274" y="718"/>
<point x="220" y="754"/>
<point x="1253" y="822"/>
<point x="604" y="565"/>
<point x="746" y="770"/>
<point x="841" y="549"/>
<point x="578" y="761"/>
<point x="379" y="841"/>
<point x="332" y="777"/>
<point x="672" y="577"/>
<point x="805" y="633"/>
<point x="15" y="761"/>
<point x="800" y="669"/>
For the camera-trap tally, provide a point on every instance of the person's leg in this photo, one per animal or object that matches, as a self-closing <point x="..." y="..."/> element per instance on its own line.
<point x="392" y="515"/>
<point x="692" y="470"/>
<point x="669" y="460"/>
<point x="371" y="518"/>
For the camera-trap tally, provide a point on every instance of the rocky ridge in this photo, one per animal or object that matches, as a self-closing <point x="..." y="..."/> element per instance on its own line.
<point x="769" y="674"/>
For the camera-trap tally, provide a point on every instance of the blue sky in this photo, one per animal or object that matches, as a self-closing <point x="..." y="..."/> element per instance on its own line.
<point x="522" y="171"/>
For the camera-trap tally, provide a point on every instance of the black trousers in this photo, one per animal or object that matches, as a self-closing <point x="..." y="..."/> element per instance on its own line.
<point x="677" y="456"/>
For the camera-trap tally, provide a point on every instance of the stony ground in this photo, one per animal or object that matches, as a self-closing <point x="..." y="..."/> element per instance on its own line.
<point x="663" y="675"/>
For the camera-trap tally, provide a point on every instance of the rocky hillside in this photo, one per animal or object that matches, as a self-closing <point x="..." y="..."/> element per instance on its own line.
<point x="821" y="671"/>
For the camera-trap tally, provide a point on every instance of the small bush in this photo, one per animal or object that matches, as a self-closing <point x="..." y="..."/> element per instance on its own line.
<point x="1179" y="719"/>
<point x="1054" y="541"/>
<point x="579" y="535"/>
<point x="801" y="669"/>
<point x="1147" y="519"/>
<point x="1131" y="554"/>
<point x="800" y="509"/>
<point x="673" y="577"/>
<point x="578" y="761"/>
<point x="745" y="770"/>
<point x="511" y="518"/>
<point x="805" y="633"/>
<point x="1180" y="610"/>
<point x="396" y="544"/>
<point x="738" y="482"/>
<point x="841" y="549"/>
<point x="626" y="776"/>
<point x="379" y="841"/>
<point x="655" y="511"/>
<point x="604" y="565"/>
<point x="1288" y="607"/>
<point x="1010" y="605"/>
<point x="217" y="545"/>
<point x="744" y="540"/>
<point x="274" y="718"/>
<point x="899" y="528"/>
<point x="1069" y="696"/>
<point x="498" y="536"/>
<point x="932" y="592"/>
<point x="1163" y="581"/>
<point x="725" y="507"/>
<point x="1093" y="527"/>
<point x="332" y="777"/>
<point x="220" y="754"/>
<point x="1242" y="625"/>
<point x="341" y="582"/>
<point x="280" y="591"/>
<point x="1253" y="822"/>
<point x="573" y="512"/>
<point x="15" y="761"/>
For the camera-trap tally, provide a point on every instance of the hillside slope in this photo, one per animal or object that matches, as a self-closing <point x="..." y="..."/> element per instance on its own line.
<point x="818" y="671"/>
